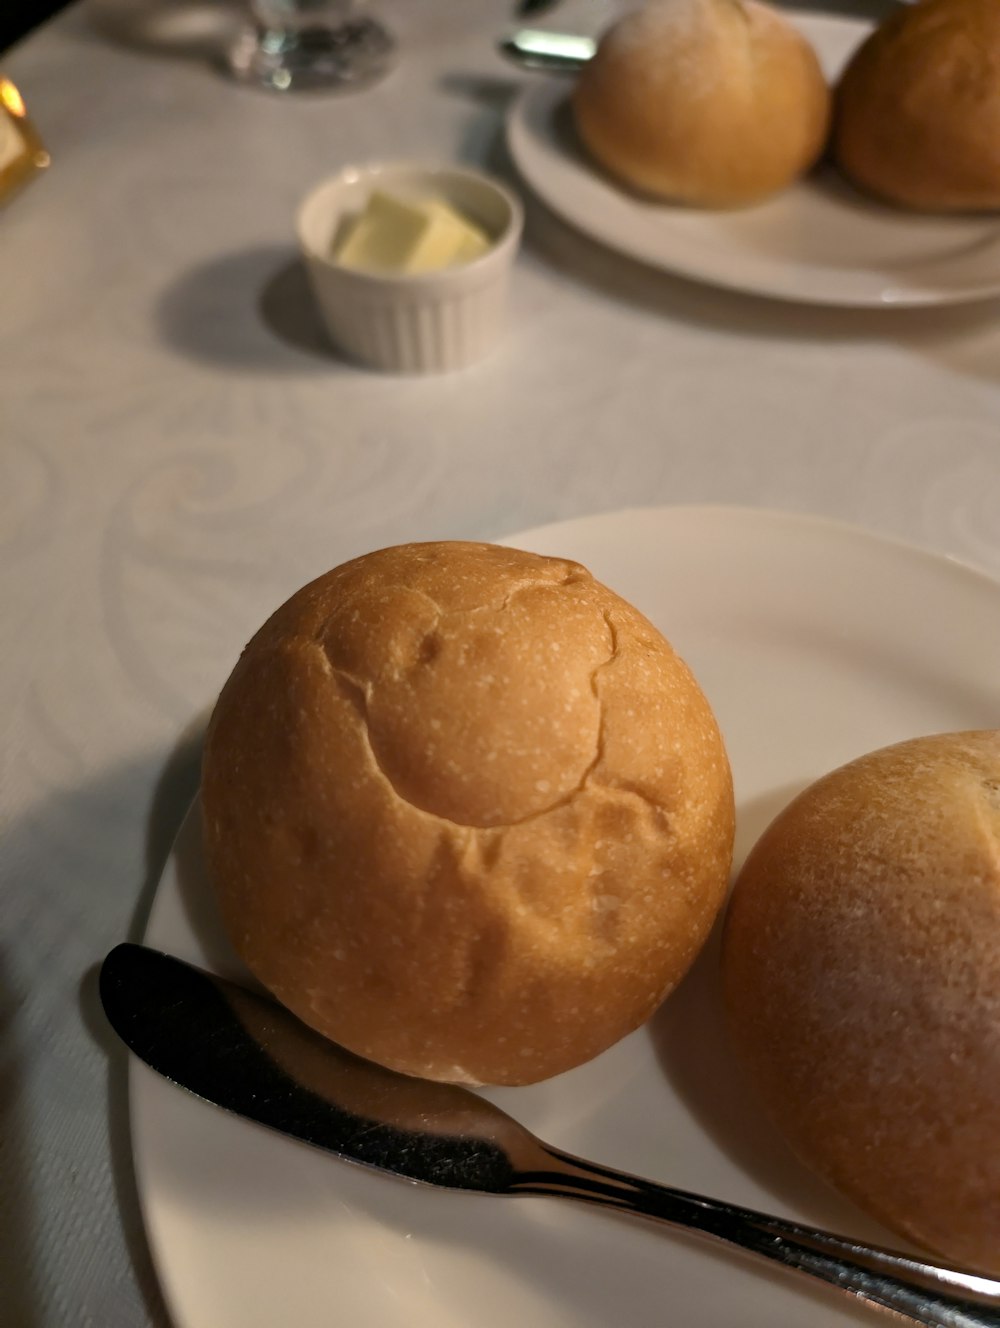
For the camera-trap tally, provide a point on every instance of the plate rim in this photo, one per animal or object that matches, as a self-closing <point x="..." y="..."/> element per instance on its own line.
<point x="837" y="526"/>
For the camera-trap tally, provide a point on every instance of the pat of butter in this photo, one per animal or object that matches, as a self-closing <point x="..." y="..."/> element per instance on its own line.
<point x="409" y="236"/>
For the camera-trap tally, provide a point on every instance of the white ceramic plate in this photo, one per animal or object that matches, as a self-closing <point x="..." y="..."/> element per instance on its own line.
<point x="819" y="242"/>
<point x="815" y="643"/>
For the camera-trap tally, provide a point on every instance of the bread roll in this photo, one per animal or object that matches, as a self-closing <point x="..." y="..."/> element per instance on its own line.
<point x="716" y="103"/>
<point x="861" y="964"/>
<point x="466" y="811"/>
<point x="918" y="108"/>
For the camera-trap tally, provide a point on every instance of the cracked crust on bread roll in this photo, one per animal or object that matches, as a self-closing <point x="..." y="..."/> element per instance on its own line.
<point x="713" y="103"/>
<point x="861" y="965"/>
<point x="466" y="811"/>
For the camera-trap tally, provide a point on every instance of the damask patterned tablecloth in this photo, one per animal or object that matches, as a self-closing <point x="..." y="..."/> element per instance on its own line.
<point x="179" y="451"/>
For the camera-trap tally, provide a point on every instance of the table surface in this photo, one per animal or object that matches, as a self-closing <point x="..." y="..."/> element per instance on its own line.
<point x="179" y="451"/>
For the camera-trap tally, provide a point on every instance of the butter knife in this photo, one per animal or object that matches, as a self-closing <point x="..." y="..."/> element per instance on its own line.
<point x="558" y="52"/>
<point x="250" y="1056"/>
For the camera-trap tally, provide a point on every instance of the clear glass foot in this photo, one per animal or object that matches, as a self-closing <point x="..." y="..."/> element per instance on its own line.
<point x="292" y="49"/>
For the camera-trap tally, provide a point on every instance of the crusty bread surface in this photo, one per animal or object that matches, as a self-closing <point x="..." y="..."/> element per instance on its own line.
<point x="861" y="968"/>
<point x="713" y="103"/>
<point x="466" y="811"/>
<point x="917" y="119"/>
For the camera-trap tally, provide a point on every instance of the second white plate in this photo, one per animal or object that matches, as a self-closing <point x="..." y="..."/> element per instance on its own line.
<point x="819" y="242"/>
<point x="814" y="643"/>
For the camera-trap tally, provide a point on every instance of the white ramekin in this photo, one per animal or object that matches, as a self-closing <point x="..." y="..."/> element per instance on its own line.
<point x="412" y="324"/>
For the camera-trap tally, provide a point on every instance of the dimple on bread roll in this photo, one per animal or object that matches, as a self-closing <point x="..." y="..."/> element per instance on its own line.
<point x="918" y="108"/>
<point x="466" y="811"/>
<point x="715" y="103"/>
<point x="861" y="966"/>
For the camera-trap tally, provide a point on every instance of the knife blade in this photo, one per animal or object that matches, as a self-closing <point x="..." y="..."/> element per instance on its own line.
<point x="251" y="1056"/>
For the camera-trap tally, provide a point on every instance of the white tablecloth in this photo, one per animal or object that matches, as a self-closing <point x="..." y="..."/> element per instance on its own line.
<point x="178" y="452"/>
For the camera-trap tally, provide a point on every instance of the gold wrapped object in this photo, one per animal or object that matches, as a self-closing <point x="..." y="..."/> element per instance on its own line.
<point x="22" y="152"/>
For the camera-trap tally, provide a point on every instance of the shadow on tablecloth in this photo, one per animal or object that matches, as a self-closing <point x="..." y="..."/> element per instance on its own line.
<point x="248" y="311"/>
<point x="174" y="791"/>
<point x="72" y="1247"/>
<point x="19" y="1274"/>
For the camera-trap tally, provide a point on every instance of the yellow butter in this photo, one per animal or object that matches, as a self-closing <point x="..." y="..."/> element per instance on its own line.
<point x="403" y="235"/>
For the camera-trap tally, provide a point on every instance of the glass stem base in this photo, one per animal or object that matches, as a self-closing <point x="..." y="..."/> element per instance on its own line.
<point x="314" y="57"/>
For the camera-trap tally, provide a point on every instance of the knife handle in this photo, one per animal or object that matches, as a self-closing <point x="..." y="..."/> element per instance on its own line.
<point x="917" y="1289"/>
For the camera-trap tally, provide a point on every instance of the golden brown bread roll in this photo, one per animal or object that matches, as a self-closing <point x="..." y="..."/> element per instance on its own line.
<point x="861" y="964"/>
<point x="715" y="103"/>
<point x="917" y="118"/>
<point x="466" y="811"/>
